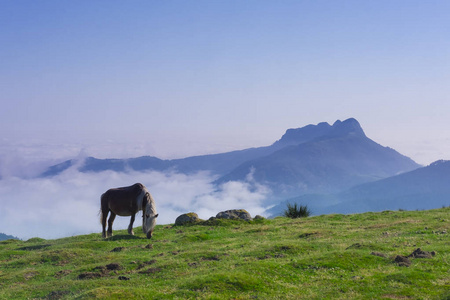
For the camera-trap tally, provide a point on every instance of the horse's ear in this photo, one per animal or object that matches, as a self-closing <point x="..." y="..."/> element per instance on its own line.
<point x="156" y="215"/>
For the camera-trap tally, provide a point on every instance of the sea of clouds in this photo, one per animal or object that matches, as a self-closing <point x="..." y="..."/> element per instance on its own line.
<point x="68" y="204"/>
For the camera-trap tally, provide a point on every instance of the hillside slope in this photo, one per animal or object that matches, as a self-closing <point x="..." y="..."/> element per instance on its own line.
<point x="326" y="257"/>
<point x="423" y="188"/>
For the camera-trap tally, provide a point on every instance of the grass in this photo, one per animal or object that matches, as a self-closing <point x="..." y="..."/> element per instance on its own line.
<point x="323" y="257"/>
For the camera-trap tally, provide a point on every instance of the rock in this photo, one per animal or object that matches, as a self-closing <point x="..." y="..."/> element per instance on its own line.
<point x="235" y="214"/>
<point x="188" y="218"/>
<point x="258" y="217"/>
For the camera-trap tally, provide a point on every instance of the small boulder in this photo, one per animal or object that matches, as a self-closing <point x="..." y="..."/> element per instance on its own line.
<point x="235" y="214"/>
<point x="188" y="218"/>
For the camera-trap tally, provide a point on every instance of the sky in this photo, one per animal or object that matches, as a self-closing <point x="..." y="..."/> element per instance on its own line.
<point x="180" y="78"/>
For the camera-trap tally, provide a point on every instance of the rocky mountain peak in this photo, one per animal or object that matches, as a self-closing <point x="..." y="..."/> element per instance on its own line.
<point x="307" y="133"/>
<point x="349" y="126"/>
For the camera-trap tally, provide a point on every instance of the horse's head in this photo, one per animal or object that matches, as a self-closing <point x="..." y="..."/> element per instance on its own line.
<point x="149" y="216"/>
<point x="148" y="224"/>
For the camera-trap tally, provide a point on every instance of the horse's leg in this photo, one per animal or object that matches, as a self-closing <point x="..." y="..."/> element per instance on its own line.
<point x="110" y="222"/>
<point x="130" y="227"/>
<point x="104" y="217"/>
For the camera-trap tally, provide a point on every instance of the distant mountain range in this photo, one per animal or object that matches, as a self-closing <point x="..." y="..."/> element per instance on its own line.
<point x="331" y="168"/>
<point x="315" y="158"/>
<point x="423" y="188"/>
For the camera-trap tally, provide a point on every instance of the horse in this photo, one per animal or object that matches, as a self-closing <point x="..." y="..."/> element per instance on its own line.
<point x="127" y="201"/>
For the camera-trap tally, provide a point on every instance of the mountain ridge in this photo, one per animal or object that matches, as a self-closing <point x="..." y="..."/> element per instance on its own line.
<point x="314" y="158"/>
<point x="342" y="157"/>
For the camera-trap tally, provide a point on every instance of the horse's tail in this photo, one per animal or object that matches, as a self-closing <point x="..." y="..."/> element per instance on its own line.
<point x="100" y="213"/>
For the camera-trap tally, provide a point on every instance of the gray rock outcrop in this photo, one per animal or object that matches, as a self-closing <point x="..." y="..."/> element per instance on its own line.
<point x="235" y="214"/>
<point x="188" y="218"/>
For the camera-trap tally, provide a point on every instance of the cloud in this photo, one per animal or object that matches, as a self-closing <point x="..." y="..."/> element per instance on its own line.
<point x="68" y="204"/>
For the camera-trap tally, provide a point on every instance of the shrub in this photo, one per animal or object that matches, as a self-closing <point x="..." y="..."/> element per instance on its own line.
<point x="297" y="211"/>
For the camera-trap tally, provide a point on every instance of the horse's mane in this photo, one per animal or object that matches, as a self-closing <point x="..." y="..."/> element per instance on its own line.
<point x="150" y="206"/>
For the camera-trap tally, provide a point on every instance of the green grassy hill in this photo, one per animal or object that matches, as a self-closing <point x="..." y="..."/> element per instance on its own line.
<point x="323" y="257"/>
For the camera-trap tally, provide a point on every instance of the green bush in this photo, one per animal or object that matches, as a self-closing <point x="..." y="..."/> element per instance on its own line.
<point x="297" y="211"/>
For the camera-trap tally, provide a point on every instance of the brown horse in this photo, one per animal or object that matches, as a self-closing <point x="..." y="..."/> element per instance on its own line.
<point x="127" y="201"/>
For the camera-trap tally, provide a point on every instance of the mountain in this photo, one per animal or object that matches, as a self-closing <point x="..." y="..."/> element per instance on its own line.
<point x="219" y="164"/>
<point x="326" y="160"/>
<point x="316" y="158"/>
<point x="423" y="188"/>
<point x="7" y="237"/>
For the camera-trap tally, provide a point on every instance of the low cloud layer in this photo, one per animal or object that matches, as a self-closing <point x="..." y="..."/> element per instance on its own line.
<point x="69" y="203"/>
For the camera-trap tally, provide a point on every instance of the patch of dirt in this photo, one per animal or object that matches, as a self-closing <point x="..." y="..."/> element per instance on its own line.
<point x="379" y="254"/>
<point x="63" y="273"/>
<point x="62" y="263"/>
<point x="267" y="256"/>
<point x="405" y="261"/>
<point x="104" y="270"/>
<point x="418" y="253"/>
<point x="30" y="275"/>
<point x="114" y="267"/>
<point x="124" y="278"/>
<point x="118" y="249"/>
<point x="149" y="246"/>
<point x="285" y="248"/>
<point x="306" y="235"/>
<point x="355" y="246"/>
<point x="279" y="255"/>
<point x="57" y="295"/>
<point x="193" y="264"/>
<point x="211" y="258"/>
<point x="402" y="261"/>
<point x="146" y="263"/>
<point x="89" y="275"/>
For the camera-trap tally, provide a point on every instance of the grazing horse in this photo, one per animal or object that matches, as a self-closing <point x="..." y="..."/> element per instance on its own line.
<point x="127" y="201"/>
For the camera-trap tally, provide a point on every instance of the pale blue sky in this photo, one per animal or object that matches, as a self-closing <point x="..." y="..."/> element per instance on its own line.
<point x="177" y="78"/>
